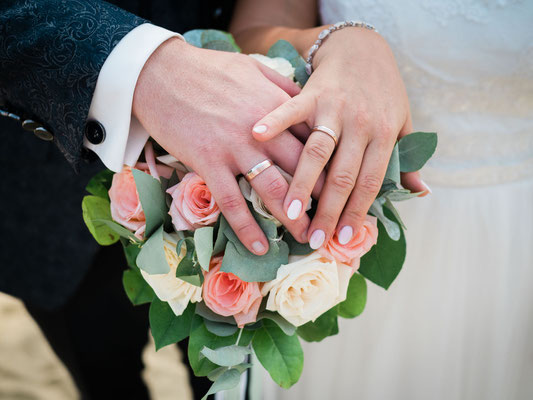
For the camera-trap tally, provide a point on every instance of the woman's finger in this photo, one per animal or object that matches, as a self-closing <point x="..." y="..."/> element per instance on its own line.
<point x="369" y="180"/>
<point x="340" y="182"/>
<point x="285" y="84"/>
<point x="228" y="196"/>
<point x="293" y="111"/>
<point x="315" y="155"/>
<point x="412" y="180"/>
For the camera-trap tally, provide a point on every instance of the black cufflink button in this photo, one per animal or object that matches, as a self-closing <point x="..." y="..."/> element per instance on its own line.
<point x="94" y="132"/>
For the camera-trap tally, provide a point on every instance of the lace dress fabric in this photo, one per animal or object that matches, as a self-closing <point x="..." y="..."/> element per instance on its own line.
<point x="458" y="321"/>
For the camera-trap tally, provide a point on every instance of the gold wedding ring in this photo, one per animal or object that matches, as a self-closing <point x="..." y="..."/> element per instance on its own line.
<point x="330" y="132"/>
<point x="256" y="170"/>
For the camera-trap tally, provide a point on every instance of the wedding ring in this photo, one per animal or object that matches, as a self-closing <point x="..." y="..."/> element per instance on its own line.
<point x="256" y="170"/>
<point x="327" y="131"/>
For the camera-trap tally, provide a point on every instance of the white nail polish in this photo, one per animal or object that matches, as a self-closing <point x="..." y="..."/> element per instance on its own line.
<point x="260" y="129"/>
<point x="427" y="187"/>
<point x="345" y="234"/>
<point x="317" y="239"/>
<point x="294" y="210"/>
<point x="258" y="247"/>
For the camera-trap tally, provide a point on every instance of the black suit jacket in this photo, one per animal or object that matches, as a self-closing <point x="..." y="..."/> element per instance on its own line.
<point x="51" y="52"/>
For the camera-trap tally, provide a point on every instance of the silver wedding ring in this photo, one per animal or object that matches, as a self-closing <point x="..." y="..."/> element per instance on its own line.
<point x="330" y="132"/>
<point x="257" y="169"/>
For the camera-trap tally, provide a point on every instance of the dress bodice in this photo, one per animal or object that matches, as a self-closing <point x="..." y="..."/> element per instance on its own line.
<point x="468" y="68"/>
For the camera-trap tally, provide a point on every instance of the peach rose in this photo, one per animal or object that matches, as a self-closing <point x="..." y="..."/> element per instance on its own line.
<point x="192" y="205"/>
<point x="360" y="244"/>
<point x="226" y="294"/>
<point x="126" y="207"/>
<point x="125" y="204"/>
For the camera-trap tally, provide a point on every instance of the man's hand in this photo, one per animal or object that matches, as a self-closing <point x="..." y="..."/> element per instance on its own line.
<point x="200" y="105"/>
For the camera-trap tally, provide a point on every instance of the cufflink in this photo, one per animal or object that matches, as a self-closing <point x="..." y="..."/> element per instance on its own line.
<point x="94" y="132"/>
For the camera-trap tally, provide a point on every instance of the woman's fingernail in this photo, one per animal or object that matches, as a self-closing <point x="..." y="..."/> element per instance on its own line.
<point x="317" y="239"/>
<point x="345" y="234"/>
<point x="258" y="247"/>
<point x="427" y="187"/>
<point x="294" y="210"/>
<point x="260" y="129"/>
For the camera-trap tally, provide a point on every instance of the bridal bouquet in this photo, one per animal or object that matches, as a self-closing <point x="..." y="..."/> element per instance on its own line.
<point x="202" y="282"/>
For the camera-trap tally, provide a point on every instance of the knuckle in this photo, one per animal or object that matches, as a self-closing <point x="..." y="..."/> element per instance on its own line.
<point x="243" y="229"/>
<point x="343" y="181"/>
<point x="230" y="202"/>
<point x="354" y="214"/>
<point x="386" y="129"/>
<point x="362" y="119"/>
<point x="327" y="219"/>
<point x="370" y="183"/>
<point x="318" y="150"/>
<point x="277" y="188"/>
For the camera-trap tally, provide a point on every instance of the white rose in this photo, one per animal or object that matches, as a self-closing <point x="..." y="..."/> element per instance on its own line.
<point x="279" y="64"/>
<point x="307" y="287"/>
<point x="257" y="203"/>
<point x="167" y="287"/>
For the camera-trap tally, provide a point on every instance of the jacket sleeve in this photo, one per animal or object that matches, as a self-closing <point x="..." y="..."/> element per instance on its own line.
<point x="51" y="52"/>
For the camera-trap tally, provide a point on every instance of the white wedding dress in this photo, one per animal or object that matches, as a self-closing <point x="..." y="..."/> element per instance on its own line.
<point x="458" y="321"/>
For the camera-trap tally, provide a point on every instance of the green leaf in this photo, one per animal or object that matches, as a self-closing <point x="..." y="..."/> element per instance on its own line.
<point x="100" y="183"/>
<point x="131" y="251"/>
<point x="415" y="149"/>
<point x="355" y="298"/>
<point x="227" y="380"/>
<point x="205" y="312"/>
<point x="246" y="265"/>
<point x="384" y="261"/>
<point x="393" y="169"/>
<point x="188" y="272"/>
<point x="194" y="37"/>
<point x="220" y="46"/>
<point x="296" y="248"/>
<point x="281" y="355"/>
<point x="324" y="326"/>
<point x="203" y="241"/>
<point x="137" y="290"/>
<point x="167" y="328"/>
<point x="221" y="240"/>
<point x="152" y="200"/>
<point x="287" y="328"/>
<point x="152" y="257"/>
<point x="200" y="336"/>
<point x="392" y="228"/>
<point x="226" y="356"/>
<point x="213" y="35"/>
<point x="215" y="374"/>
<point x="95" y="211"/>
<point x="284" y="49"/>
<point x="392" y="209"/>
<point x="119" y="230"/>
<point x="220" y="328"/>
<point x="400" y="194"/>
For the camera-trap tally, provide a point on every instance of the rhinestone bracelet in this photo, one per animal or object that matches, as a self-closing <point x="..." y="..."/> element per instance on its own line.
<point x="324" y="35"/>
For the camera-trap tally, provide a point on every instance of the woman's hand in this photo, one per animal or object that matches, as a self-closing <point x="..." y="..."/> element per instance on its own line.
<point x="355" y="90"/>
<point x="200" y="105"/>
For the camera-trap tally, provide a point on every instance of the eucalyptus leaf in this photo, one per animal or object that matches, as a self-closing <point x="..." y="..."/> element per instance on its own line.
<point x="284" y="49"/>
<point x="324" y="326"/>
<point x="355" y="297"/>
<point x="220" y="328"/>
<point x="213" y="375"/>
<point x="120" y="230"/>
<point x="400" y="194"/>
<point x="100" y="183"/>
<point x="287" y="328"/>
<point x="136" y="288"/>
<point x="227" y="380"/>
<point x="221" y="240"/>
<point x="220" y="46"/>
<point x="395" y="212"/>
<point x="392" y="228"/>
<point x="280" y="354"/>
<point x="194" y="37"/>
<point x="393" y="169"/>
<point x="200" y="336"/>
<point x="384" y="261"/>
<point x="213" y="35"/>
<point x="95" y="211"/>
<point x="152" y="257"/>
<point x="208" y="314"/>
<point x="152" y="200"/>
<point x="166" y="327"/>
<point x="227" y="356"/>
<point x="296" y="248"/>
<point x="131" y="251"/>
<point x="415" y="149"/>
<point x="203" y="242"/>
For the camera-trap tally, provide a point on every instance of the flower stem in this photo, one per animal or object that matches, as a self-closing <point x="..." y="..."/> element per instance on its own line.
<point x="239" y="337"/>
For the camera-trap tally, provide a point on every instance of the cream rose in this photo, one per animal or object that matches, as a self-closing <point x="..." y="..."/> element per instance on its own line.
<point x="167" y="287"/>
<point x="279" y="64"/>
<point x="307" y="287"/>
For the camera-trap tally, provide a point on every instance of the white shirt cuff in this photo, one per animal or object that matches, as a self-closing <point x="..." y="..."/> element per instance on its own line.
<point x="112" y="100"/>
